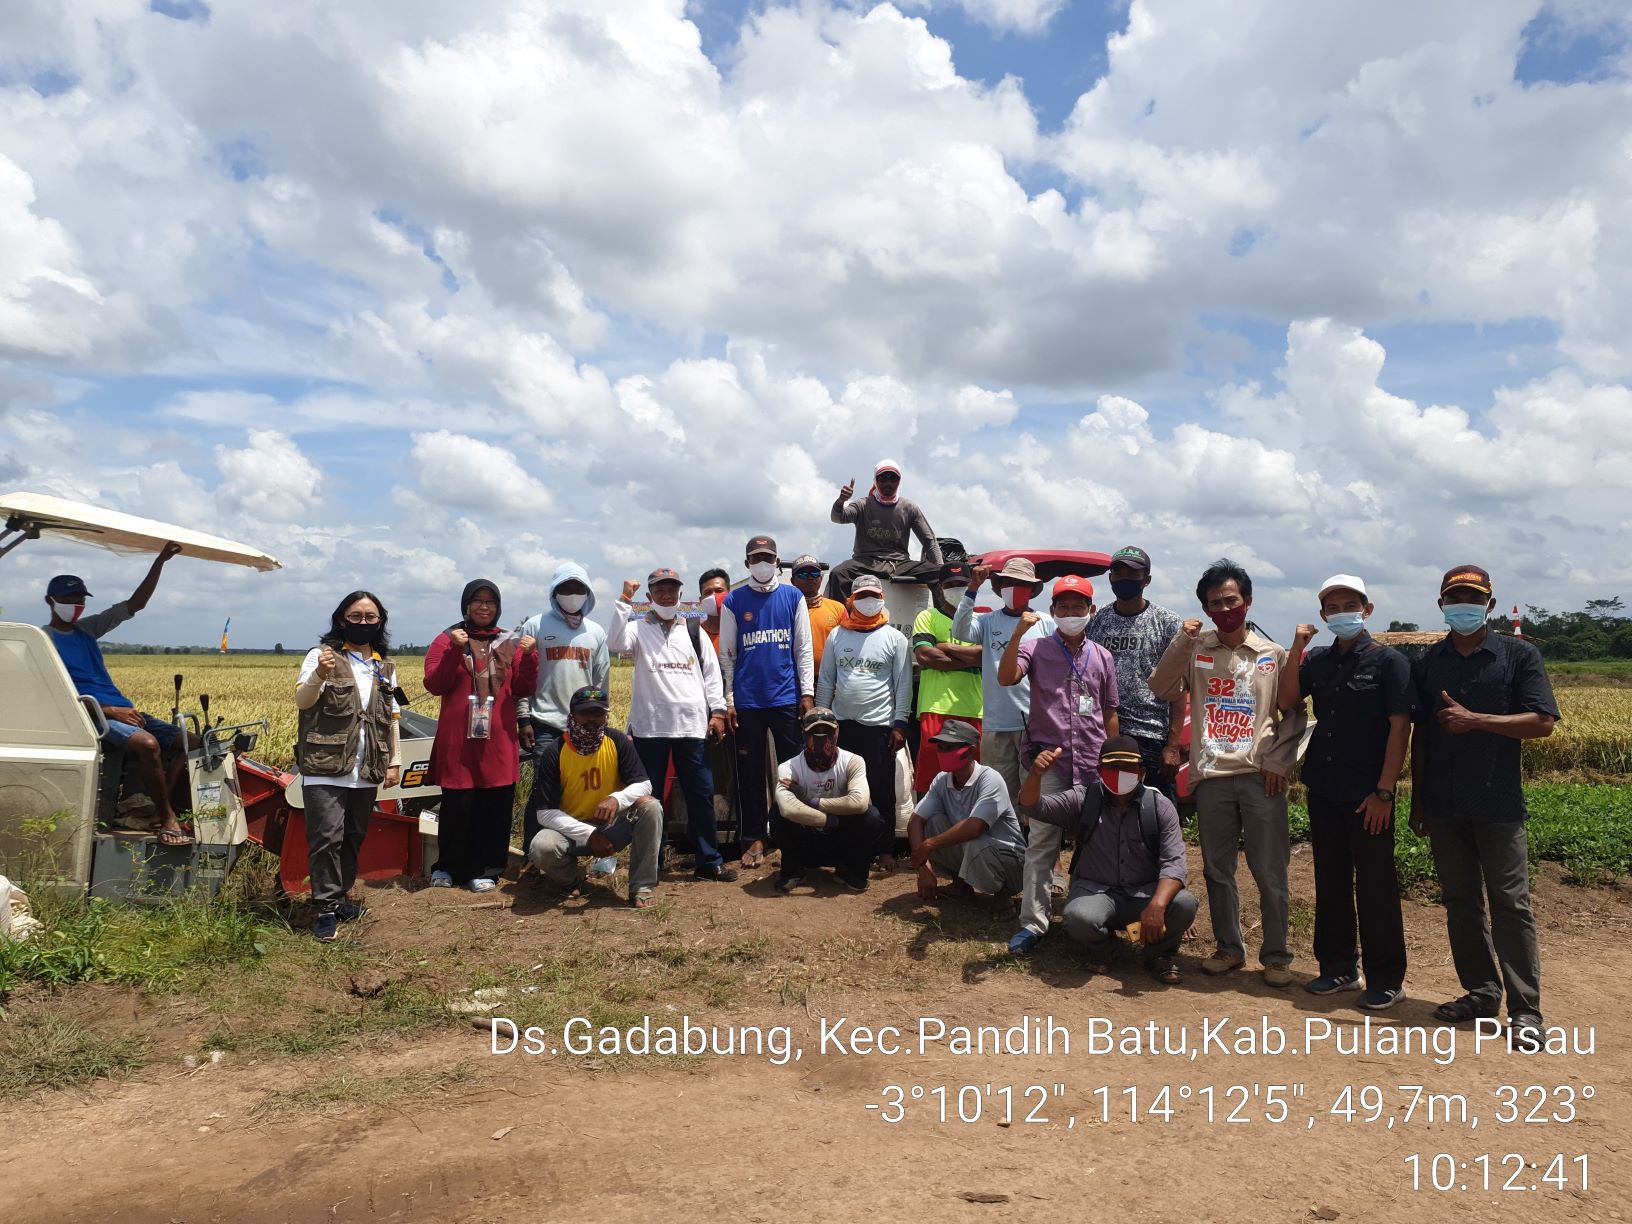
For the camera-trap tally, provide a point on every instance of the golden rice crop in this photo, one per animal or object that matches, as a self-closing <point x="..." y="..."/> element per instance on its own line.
<point x="246" y="687"/>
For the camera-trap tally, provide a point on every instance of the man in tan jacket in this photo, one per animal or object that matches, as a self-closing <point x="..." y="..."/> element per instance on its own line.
<point x="1241" y="750"/>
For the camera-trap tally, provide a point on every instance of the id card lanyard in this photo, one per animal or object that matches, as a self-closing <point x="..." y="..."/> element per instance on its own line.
<point x="1085" y="700"/>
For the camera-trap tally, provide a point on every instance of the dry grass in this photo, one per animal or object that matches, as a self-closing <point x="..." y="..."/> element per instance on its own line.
<point x="244" y="688"/>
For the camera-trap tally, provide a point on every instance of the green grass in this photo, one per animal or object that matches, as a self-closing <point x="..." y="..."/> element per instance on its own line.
<point x="1588" y="829"/>
<point x="363" y="1091"/>
<point x="48" y="1050"/>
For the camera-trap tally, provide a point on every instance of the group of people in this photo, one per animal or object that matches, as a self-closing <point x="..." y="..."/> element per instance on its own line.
<point x="1036" y="728"/>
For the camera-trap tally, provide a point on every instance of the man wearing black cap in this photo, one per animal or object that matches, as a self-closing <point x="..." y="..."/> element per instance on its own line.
<point x="1137" y="633"/>
<point x="1478" y="694"/>
<point x="824" y="808"/>
<point x="591" y="796"/>
<point x="965" y="827"/>
<point x="825" y="613"/>
<point x="75" y="636"/>
<point x="1130" y="862"/>
<point x="770" y="680"/>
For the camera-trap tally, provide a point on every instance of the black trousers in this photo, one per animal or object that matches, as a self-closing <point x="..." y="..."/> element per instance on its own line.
<point x="844" y="573"/>
<point x="849" y="845"/>
<point x="1355" y="880"/>
<point x="1157" y="776"/>
<point x="872" y="745"/>
<point x="473" y="832"/>
<point x="782" y="724"/>
<point x="542" y="737"/>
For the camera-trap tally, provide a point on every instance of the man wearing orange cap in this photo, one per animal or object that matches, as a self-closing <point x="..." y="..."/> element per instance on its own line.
<point x="885" y="524"/>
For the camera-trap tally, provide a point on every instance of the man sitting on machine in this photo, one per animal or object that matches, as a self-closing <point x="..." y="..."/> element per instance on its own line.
<point x="150" y="739"/>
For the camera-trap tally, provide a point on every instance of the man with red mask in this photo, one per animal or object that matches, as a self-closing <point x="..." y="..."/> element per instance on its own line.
<point x="965" y="827"/>
<point x="1130" y="862"/>
<point x="1241" y="750"/>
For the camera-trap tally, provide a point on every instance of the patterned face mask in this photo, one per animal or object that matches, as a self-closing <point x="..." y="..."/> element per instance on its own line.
<point x="586" y="741"/>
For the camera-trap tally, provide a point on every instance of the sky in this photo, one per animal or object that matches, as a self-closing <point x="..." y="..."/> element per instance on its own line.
<point x="407" y="293"/>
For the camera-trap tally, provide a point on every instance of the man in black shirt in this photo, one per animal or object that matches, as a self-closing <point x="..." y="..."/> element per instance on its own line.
<point x="1362" y="694"/>
<point x="1477" y="695"/>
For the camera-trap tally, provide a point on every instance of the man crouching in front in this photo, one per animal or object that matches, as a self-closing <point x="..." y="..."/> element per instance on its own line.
<point x="1129" y="867"/>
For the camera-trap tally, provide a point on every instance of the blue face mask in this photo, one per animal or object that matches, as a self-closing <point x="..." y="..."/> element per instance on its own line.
<point x="1465" y="619"/>
<point x="1346" y="625"/>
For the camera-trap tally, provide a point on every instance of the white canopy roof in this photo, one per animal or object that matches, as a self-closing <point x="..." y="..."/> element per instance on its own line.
<point x="121" y="532"/>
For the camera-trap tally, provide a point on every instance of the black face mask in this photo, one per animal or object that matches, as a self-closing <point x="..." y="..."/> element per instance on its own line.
<point x="363" y="635"/>
<point x="1128" y="588"/>
<point x="821" y="753"/>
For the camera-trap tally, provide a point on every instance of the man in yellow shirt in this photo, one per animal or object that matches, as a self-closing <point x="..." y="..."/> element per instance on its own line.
<point x="592" y="797"/>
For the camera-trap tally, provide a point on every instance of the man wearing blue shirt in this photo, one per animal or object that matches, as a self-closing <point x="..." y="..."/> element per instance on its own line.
<point x="75" y="636"/>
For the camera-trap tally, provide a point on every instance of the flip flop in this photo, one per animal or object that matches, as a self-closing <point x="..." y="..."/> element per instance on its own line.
<point x="752" y="857"/>
<point x="643" y="899"/>
<point x="175" y="837"/>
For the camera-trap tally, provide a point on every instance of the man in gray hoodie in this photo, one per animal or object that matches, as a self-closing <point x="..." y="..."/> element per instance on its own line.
<point x="572" y="654"/>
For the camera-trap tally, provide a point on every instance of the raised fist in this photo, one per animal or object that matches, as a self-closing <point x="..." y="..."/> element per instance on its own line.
<point x="327" y="661"/>
<point x="1191" y="628"/>
<point x="459" y="638"/>
<point x="1305" y="633"/>
<point x="630" y="586"/>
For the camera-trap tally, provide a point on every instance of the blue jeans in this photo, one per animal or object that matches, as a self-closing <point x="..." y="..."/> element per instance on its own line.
<point x="691" y="774"/>
<point x="119" y="733"/>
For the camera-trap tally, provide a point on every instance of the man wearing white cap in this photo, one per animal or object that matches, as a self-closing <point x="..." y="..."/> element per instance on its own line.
<point x="1363" y="705"/>
<point x="885" y="524"/>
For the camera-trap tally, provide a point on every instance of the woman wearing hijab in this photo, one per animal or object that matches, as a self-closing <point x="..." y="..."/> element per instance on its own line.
<point x="478" y="671"/>
<point x="346" y="748"/>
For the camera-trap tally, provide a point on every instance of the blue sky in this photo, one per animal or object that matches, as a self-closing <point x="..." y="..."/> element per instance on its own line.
<point x="623" y="282"/>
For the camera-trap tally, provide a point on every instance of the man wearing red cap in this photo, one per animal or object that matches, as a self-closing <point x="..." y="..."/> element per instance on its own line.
<point x="885" y="524"/>
<point x="1074" y="710"/>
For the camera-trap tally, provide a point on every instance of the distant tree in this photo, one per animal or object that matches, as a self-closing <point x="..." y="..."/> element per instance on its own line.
<point x="1399" y="626"/>
<point x="277" y="648"/>
<point x="1610" y="609"/>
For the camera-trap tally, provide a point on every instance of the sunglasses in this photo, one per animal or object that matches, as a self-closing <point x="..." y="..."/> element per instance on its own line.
<point x="807" y="573"/>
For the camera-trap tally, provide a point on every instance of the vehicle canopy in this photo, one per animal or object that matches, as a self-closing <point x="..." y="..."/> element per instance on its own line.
<point x="1050" y="563"/>
<point x="28" y="516"/>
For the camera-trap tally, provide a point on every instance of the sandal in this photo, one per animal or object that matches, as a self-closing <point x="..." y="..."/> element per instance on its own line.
<point x="1165" y="970"/>
<point x="644" y="898"/>
<point x="175" y="837"/>
<point x="753" y="857"/>
<point x="1460" y="1011"/>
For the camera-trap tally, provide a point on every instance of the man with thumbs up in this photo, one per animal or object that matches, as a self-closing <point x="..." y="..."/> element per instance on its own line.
<point x="1478" y="694"/>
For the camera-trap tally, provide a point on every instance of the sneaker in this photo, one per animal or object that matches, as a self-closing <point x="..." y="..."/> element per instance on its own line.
<point x="1277" y="975"/>
<point x="441" y="879"/>
<point x="1023" y="941"/>
<point x="786" y="884"/>
<point x="1220" y="963"/>
<point x="604" y="866"/>
<point x="1331" y="983"/>
<point x="483" y="884"/>
<point x="1379" y="1000"/>
<point x="350" y="910"/>
<point x="326" y="927"/>
<point x="722" y="873"/>
<point x="855" y="883"/>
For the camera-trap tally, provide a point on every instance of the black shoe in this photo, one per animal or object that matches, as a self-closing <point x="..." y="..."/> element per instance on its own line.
<point x="1525" y="1033"/>
<point x="786" y="884"/>
<point x="350" y="910"/>
<point x="722" y="873"/>
<point x="855" y="883"/>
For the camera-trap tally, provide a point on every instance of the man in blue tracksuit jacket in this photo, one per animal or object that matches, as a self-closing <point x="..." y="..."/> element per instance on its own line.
<point x="766" y="663"/>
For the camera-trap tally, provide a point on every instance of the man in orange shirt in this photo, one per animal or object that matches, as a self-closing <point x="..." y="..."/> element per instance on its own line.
<point x="825" y="613"/>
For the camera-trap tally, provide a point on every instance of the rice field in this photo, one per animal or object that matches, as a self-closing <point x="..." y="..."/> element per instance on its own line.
<point x="1593" y="743"/>
<point x="247" y="687"/>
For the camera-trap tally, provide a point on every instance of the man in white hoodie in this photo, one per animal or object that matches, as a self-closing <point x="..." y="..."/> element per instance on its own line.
<point x="572" y="654"/>
<point x="676" y="699"/>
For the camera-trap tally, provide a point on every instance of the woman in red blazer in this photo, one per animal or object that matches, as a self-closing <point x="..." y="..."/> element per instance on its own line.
<point x="477" y="669"/>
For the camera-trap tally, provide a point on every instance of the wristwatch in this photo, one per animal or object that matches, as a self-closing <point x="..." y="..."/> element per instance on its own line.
<point x="1386" y="795"/>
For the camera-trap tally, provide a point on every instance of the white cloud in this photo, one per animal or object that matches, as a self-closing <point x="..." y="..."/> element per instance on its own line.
<point x="462" y="471"/>
<point x="269" y="479"/>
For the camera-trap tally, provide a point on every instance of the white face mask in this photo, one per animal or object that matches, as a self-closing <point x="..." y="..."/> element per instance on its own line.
<point x="869" y="606"/>
<point x="954" y="593"/>
<point x="762" y="571"/>
<point x="666" y="612"/>
<point x="67" y="611"/>
<point x="572" y="603"/>
<point x="1071" y="625"/>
